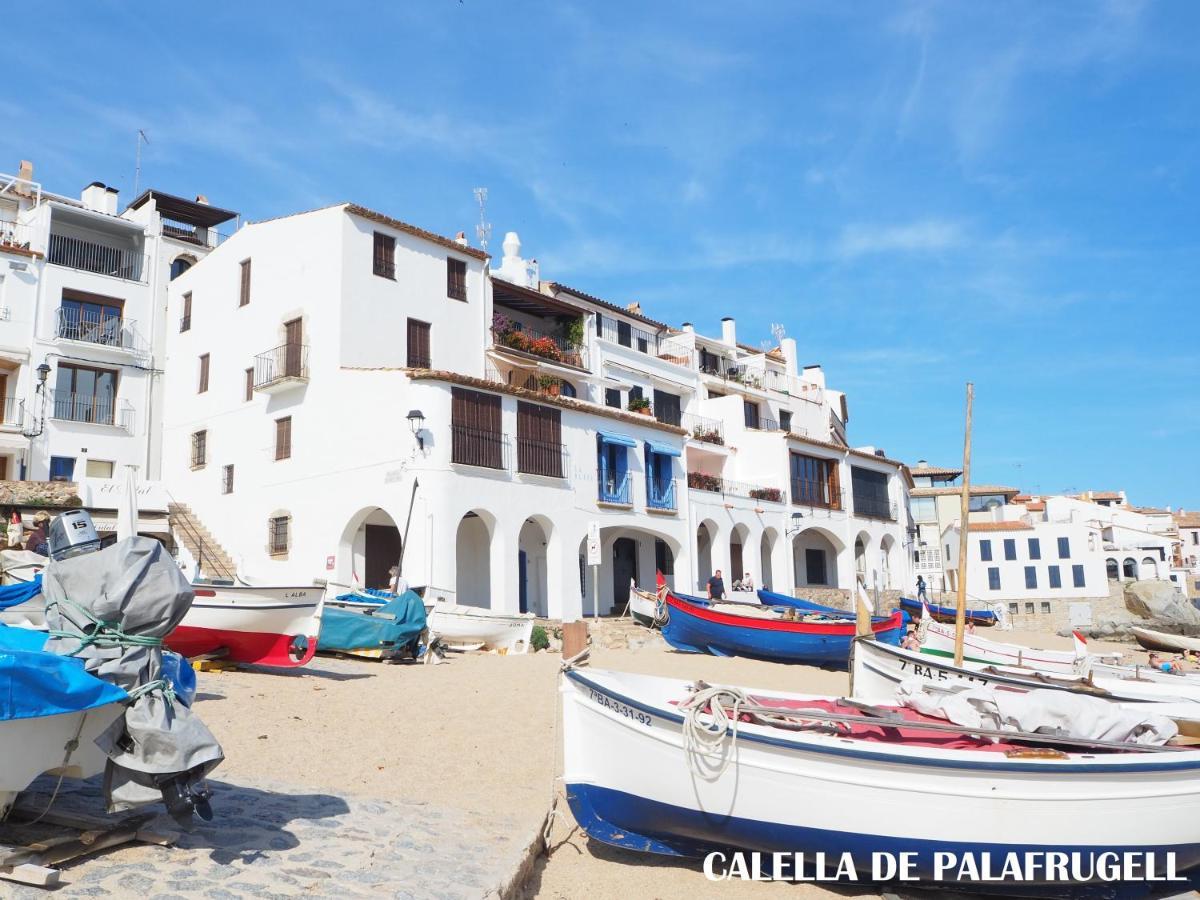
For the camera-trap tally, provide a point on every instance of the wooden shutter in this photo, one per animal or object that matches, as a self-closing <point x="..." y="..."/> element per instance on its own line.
<point x="283" y="438"/>
<point x="293" y="352"/>
<point x="245" y="291"/>
<point x="667" y="408"/>
<point x="185" y="322"/>
<point x="203" y="374"/>
<point x="539" y="440"/>
<point x="835" y="484"/>
<point x="418" y="345"/>
<point x="384" y="262"/>
<point x="456" y="279"/>
<point x="476" y="438"/>
<point x="250" y="383"/>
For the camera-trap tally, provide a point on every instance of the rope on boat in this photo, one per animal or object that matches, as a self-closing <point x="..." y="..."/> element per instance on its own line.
<point x="707" y="739"/>
<point x="103" y="634"/>
<point x="69" y="748"/>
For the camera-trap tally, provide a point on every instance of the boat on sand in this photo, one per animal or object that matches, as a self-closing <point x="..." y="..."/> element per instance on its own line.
<point x="1160" y="640"/>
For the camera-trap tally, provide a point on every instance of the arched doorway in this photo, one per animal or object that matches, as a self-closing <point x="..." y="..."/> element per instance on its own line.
<point x="1113" y="569"/>
<point x="886" y="548"/>
<point x="1129" y="569"/>
<point x="815" y="555"/>
<point x="533" y="593"/>
<point x="705" y="537"/>
<point x="1149" y="567"/>
<point x="473" y="560"/>
<point x="179" y="265"/>
<point x="766" y="552"/>
<point x="860" y="557"/>
<point x="738" y="557"/>
<point x="371" y="543"/>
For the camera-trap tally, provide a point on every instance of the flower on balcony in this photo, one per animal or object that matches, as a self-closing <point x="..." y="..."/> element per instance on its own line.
<point x="545" y="347"/>
<point x="702" y="481"/>
<point x="708" y="435"/>
<point x="774" y="495"/>
<point x="638" y="405"/>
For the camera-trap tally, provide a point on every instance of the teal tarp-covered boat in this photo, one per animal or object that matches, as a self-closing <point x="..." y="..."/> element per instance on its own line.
<point x="394" y="627"/>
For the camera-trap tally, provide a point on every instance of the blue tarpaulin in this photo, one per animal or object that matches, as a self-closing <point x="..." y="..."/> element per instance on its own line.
<point x="34" y="684"/>
<point x="15" y="594"/>
<point x="392" y="626"/>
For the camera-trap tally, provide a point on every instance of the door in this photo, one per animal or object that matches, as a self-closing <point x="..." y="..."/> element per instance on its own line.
<point x="523" y="581"/>
<point x="3" y="468"/>
<point x="383" y="552"/>
<point x="814" y="564"/>
<point x="293" y="342"/>
<point x="624" y="570"/>
<point x="735" y="563"/>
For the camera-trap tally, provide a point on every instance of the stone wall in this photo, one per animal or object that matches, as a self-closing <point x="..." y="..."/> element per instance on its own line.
<point x="38" y="494"/>
<point x="840" y="597"/>
<point x="1110" y="606"/>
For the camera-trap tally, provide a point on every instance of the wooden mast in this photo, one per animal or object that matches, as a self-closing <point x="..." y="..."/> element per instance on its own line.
<point x="960" y="612"/>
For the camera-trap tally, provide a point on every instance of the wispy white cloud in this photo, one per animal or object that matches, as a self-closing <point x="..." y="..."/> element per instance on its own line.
<point x="923" y="236"/>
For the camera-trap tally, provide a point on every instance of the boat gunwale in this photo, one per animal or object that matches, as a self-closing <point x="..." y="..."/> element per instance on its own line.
<point x="839" y="627"/>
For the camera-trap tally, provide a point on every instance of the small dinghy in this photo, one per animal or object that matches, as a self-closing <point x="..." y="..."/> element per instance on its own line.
<point x="946" y="614"/>
<point x="388" y="630"/>
<point x="1170" y="643"/>
<point x="741" y="769"/>
<point x="474" y="628"/>
<point x="777" y="635"/>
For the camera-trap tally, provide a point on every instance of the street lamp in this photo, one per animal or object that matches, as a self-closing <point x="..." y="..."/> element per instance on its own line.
<point x="43" y="372"/>
<point x="416" y="421"/>
<point x="796" y="526"/>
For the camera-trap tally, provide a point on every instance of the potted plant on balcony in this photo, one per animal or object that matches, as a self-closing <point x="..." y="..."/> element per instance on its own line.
<point x="549" y="385"/>
<point x="708" y="435"/>
<point x="639" y="405"/>
<point x="774" y="495"/>
<point x="702" y="481"/>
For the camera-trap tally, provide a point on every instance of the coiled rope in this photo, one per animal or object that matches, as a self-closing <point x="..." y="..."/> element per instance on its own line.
<point x="103" y="634"/>
<point x="704" y="740"/>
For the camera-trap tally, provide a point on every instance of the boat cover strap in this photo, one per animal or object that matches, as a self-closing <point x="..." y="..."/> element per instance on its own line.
<point x="15" y="594"/>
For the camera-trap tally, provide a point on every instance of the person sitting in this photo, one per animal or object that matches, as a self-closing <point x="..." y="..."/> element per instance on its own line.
<point x="747" y="582"/>
<point x="38" y="541"/>
<point x="911" y="641"/>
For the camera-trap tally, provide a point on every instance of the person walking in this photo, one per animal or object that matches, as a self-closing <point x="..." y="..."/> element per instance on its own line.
<point x="716" y="587"/>
<point x="921" y="595"/>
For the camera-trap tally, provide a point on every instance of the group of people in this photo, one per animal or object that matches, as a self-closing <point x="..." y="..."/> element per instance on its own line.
<point x="716" y="585"/>
<point x="1178" y="665"/>
<point x="38" y="538"/>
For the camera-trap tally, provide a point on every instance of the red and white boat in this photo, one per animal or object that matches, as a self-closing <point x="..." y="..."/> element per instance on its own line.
<point x="249" y="624"/>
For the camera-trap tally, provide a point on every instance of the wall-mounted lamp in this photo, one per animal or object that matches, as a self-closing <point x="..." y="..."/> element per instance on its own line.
<point x="796" y="526"/>
<point x="43" y="372"/>
<point x="416" y="421"/>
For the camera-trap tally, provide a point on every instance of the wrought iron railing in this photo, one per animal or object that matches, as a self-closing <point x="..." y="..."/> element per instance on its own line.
<point x="471" y="446"/>
<point x="710" y="431"/>
<point x="678" y="353"/>
<point x="287" y="361"/>
<point x="816" y="493"/>
<point x="76" y="253"/>
<point x="74" y="324"/>
<point x="518" y="336"/>
<point x="550" y="385"/>
<point x="192" y="234"/>
<point x="628" y="335"/>
<point x="546" y="458"/>
<point x="16" y="235"/>
<point x="872" y="508"/>
<point x="716" y="484"/>
<point x="614" y="487"/>
<point x="12" y="413"/>
<point x="660" y="494"/>
<point x="185" y="323"/>
<point x="92" y="410"/>
<point x="761" y="423"/>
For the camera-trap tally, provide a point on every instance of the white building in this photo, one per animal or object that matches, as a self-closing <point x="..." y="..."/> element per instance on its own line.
<point x="345" y="379"/>
<point x="1187" y="560"/>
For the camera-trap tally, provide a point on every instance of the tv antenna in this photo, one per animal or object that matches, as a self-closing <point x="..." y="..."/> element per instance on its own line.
<point x="137" y="171"/>
<point x="483" y="231"/>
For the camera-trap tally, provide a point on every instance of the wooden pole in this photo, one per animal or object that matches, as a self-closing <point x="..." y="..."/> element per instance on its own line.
<point x="960" y="612"/>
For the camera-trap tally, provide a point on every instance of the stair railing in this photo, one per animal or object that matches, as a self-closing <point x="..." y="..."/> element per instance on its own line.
<point x="217" y="567"/>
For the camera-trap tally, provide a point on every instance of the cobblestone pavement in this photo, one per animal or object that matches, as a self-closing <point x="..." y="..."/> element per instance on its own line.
<point x="272" y="841"/>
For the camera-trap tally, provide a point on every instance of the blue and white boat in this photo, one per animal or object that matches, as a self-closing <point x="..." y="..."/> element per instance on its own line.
<point x="804" y="774"/>
<point x="948" y="613"/>
<point x="812" y="637"/>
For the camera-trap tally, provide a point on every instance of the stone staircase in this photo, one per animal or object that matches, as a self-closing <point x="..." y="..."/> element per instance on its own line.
<point x="215" y="561"/>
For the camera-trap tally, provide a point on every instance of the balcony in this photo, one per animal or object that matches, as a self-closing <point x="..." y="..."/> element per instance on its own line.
<point x="549" y="385"/>
<point x="76" y="253"/>
<point x="90" y="327"/>
<point x="708" y="431"/>
<point x="677" y="353"/>
<point x="715" y="484"/>
<point x="613" y="487"/>
<point x="509" y="334"/>
<point x="872" y="508"/>
<point x="471" y="446"/>
<point x="92" y="410"/>
<point x="191" y="234"/>
<point x="14" y="236"/>
<point x="546" y="458"/>
<point x="660" y="495"/>
<point x="281" y="368"/>
<point x="816" y="494"/>
<point x="12" y="413"/>
<point x="628" y="336"/>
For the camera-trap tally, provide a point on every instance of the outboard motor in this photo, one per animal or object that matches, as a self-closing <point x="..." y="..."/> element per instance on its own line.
<point x="72" y="533"/>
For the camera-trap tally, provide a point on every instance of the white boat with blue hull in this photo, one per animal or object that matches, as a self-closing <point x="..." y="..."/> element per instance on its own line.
<point x="802" y="786"/>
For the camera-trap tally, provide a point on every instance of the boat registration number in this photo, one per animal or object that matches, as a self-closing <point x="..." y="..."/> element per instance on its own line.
<point x="620" y="708"/>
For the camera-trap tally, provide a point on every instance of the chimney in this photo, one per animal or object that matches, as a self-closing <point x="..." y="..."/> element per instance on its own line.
<point x="729" y="331"/>
<point x="922" y="464"/>
<point x="100" y="198"/>
<point x="790" y="356"/>
<point x="25" y="173"/>
<point x="202" y="200"/>
<point x="461" y="239"/>
<point x="634" y="307"/>
<point x="689" y="327"/>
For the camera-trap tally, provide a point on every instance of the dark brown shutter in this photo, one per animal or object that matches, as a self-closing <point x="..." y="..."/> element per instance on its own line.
<point x="835" y="485"/>
<point x="293" y="354"/>
<point x="476" y="438"/>
<point x="456" y="279"/>
<point x="203" y="374"/>
<point x="384" y="262"/>
<point x="283" y="438"/>
<point x="245" y="293"/>
<point x="539" y="440"/>
<point x="250" y="383"/>
<point x="418" y="345"/>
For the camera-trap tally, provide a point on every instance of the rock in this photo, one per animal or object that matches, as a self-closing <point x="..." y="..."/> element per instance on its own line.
<point x="1161" y="601"/>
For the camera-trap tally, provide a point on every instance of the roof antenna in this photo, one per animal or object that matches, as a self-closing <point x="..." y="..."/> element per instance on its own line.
<point x="483" y="231"/>
<point x="137" y="171"/>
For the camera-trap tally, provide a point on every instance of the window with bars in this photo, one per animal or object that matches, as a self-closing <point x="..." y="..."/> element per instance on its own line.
<point x="249" y="392"/>
<point x="384" y="264"/>
<point x="456" y="279"/>
<point x="539" y="440"/>
<point x="244" y="295"/>
<point x="199" y="449"/>
<point x="227" y="480"/>
<point x="476" y="438"/>
<point x="283" y="438"/>
<point x="203" y="386"/>
<point x="418" y="344"/>
<point x="279" y="534"/>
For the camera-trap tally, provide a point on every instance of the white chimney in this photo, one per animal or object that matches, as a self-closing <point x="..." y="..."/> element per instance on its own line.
<point x="729" y="331"/>
<point x="790" y="356"/>
<point x="100" y="198"/>
<point x="461" y="239"/>
<point x="689" y="327"/>
<point x="202" y="200"/>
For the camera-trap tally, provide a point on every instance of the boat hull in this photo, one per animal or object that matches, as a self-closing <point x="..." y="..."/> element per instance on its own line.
<point x="938" y="640"/>
<point x="1160" y="640"/>
<point x="475" y="628"/>
<point x="270" y="626"/>
<point x="643" y="607"/>
<point x="947" y="614"/>
<point x="697" y="629"/>
<point x="809" y="792"/>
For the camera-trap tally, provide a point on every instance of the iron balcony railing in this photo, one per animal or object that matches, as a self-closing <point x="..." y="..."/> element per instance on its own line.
<point x="614" y="487"/>
<point x="535" y="457"/>
<point x="628" y="336"/>
<point x="550" y="385"/>
<point x="92" y="410"/>
<point x="514" y="335"/>
<point x="871" y="508"/>
<point x="16" y="236"/>
<point x="192" y="234"/>
<point x="287" y="361"/>
<point x="13" y="412"/>
<point x="709" y="431"/>
<point x="185" y="323"/>
<point x="678" y="353"/>
<point x="815" y="493"/>
<point x="660" y="494"/>
<point x="76" y="253"/>
<point x="97" y="328"/>
<point x="471" y="446"/>
<point x="716" y="484"/>
<point x="762" y="423"/>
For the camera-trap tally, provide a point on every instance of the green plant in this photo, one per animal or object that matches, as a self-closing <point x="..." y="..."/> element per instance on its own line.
<point x="538" y="639"/>
<point x="637" y="404"/>
<point x="574" y="332"/>
<point x="702" y="481"/>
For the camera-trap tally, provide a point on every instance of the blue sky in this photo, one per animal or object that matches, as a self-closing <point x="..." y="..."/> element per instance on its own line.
<point x="923" y="193"/>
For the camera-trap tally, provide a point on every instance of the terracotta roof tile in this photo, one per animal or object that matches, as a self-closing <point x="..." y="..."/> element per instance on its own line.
<point x="1000" y="526"/>
<point x="555" y="286"/>
<point x="934" y="471"/>
<point x="382" y="219"/>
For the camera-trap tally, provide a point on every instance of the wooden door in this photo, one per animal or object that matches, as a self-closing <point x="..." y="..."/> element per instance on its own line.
<point x="293" y="343"/>
<point x="382" y="552"/>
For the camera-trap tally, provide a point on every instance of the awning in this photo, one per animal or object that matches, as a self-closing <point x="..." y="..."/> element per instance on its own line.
<point x="619" y="439"/>
<point x="664" y="449"/>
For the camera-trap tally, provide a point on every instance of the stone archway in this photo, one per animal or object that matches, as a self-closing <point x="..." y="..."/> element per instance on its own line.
<point x="533" y="587"/>
<point x="815" y="557"/>
<point x="369" y="546"/>
<point x="473" y="559"/>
